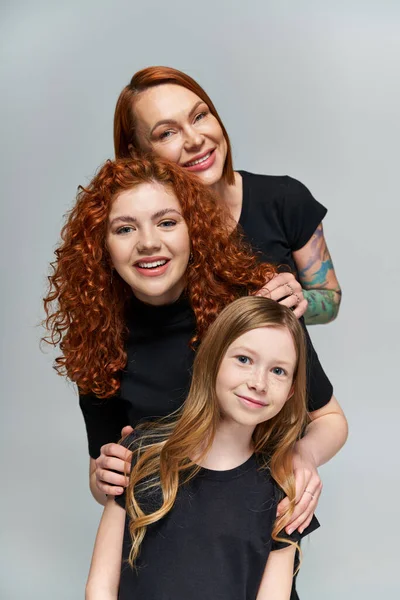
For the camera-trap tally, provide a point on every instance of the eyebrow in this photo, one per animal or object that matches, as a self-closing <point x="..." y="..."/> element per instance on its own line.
<point x="157" y="215"/>
<point x="173" y="121"/>
<point x="252" y="352"/>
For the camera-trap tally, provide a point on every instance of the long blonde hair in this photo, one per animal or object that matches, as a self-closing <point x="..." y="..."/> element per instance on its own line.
<point x="162" y="451"/>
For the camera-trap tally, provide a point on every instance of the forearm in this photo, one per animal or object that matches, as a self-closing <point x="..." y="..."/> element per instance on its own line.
<point x="277" y="579"/>
<point x="105" y="568"/>
<point x="323" y="306"/>
<point x="324" y="436"/>
<point x="94" y="592"/>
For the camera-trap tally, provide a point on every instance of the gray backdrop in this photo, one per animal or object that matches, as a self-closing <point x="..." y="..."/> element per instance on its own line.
<point x="308" y="88"/>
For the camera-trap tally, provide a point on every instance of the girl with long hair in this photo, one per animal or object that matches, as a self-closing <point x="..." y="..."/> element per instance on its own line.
<point x="204" y="486"/>
<point x="149" y="257"/>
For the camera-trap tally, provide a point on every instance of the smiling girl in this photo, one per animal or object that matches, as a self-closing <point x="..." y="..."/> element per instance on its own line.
<point x="200" y="518"/>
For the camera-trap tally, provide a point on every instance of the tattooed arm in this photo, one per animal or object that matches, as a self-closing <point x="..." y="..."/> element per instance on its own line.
<point x="318" y="279"/>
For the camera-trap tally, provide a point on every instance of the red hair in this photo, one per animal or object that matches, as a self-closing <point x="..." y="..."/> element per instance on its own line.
<point x="124" y="117"/>
<point x="85" y="308"/>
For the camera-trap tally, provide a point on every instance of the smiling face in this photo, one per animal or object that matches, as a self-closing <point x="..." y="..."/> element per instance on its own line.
<point x="177" y="125"/>
<point x="148" y="242"/>
<point x="256" y="375"/>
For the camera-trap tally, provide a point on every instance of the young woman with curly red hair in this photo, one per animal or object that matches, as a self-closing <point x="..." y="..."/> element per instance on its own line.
<point x="149" y="257"/>
<point x="109" y="247"/>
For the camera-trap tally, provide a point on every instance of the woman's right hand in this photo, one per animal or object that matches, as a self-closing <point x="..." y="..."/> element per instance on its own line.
<point x="285" y="289"/>
<point x="113" y="467"/>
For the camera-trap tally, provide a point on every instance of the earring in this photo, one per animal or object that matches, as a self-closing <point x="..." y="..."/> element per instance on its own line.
<point x="190" y="258"/>
<point x="111" y="278"/>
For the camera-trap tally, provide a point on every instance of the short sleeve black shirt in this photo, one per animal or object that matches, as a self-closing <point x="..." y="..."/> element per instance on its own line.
<point x="279" y="216"/>
<point x="214" y="543"/>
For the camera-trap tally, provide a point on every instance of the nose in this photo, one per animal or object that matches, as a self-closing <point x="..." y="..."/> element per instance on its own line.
<point x="258" y="381"/>
<point x="193" y="138"/>
<point x="148" y="240"/>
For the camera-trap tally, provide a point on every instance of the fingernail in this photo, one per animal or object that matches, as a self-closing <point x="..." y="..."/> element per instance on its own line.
<point x="301" y="529"/>
<point x="289" y="531"/>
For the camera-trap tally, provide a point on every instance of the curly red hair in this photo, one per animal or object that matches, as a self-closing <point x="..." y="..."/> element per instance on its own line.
<point x="85" y="305"/>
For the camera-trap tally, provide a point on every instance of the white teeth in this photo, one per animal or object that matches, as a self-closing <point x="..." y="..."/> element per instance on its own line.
<point x="199" y="161"/>
<point x="152" y="265"/>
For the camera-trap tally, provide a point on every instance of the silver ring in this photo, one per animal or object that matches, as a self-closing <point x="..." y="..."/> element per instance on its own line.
<point x="297" y="297"/>
<point x="290" y="288"/>
<point x="308" y="492"/>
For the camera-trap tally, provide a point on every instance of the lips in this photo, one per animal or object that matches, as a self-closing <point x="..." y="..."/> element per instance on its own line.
<point x="201" y="162"/>
<point x="152" y="266"/>
<point x="252" y="402"/>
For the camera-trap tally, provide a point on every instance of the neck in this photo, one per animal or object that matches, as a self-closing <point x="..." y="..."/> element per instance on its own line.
<point x="231" y="447"/>
<point x="231" y="195"/>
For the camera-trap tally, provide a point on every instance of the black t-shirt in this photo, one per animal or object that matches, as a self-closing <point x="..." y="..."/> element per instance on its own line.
<point x="279" y="216"/>
<point x="157" y="376"/>
<point x="214" y="543"/>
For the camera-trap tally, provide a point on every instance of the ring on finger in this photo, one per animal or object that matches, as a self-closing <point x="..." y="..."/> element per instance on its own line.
<point x="297" y="298"/>
<point x="290" y="288"/>
<point x="308" y="492"/>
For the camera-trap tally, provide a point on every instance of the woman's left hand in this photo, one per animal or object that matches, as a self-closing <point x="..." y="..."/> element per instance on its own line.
<point x="285" y="289"/>
<point x="308" y="490"/>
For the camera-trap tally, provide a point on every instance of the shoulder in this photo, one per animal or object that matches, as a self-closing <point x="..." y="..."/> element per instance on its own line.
<point x="267" y="184"/>
<point x="142" y="436"/>
<point x="285" y="195"/>
<point x="295" y="208"/>
<point x="282" y="185"/>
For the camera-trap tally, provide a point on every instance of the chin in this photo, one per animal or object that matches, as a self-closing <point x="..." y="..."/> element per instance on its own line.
<point x="211" y="178"/>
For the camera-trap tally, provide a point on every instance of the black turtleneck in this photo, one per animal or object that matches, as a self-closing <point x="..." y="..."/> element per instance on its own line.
<point x="157" y="376"/>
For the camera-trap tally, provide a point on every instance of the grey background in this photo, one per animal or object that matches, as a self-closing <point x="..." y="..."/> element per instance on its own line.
<point x="308" y="88"/>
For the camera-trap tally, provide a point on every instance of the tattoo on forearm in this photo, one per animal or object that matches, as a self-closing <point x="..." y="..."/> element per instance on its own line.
<point x="323" y="306"/>
<point x="315" y="274"/>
